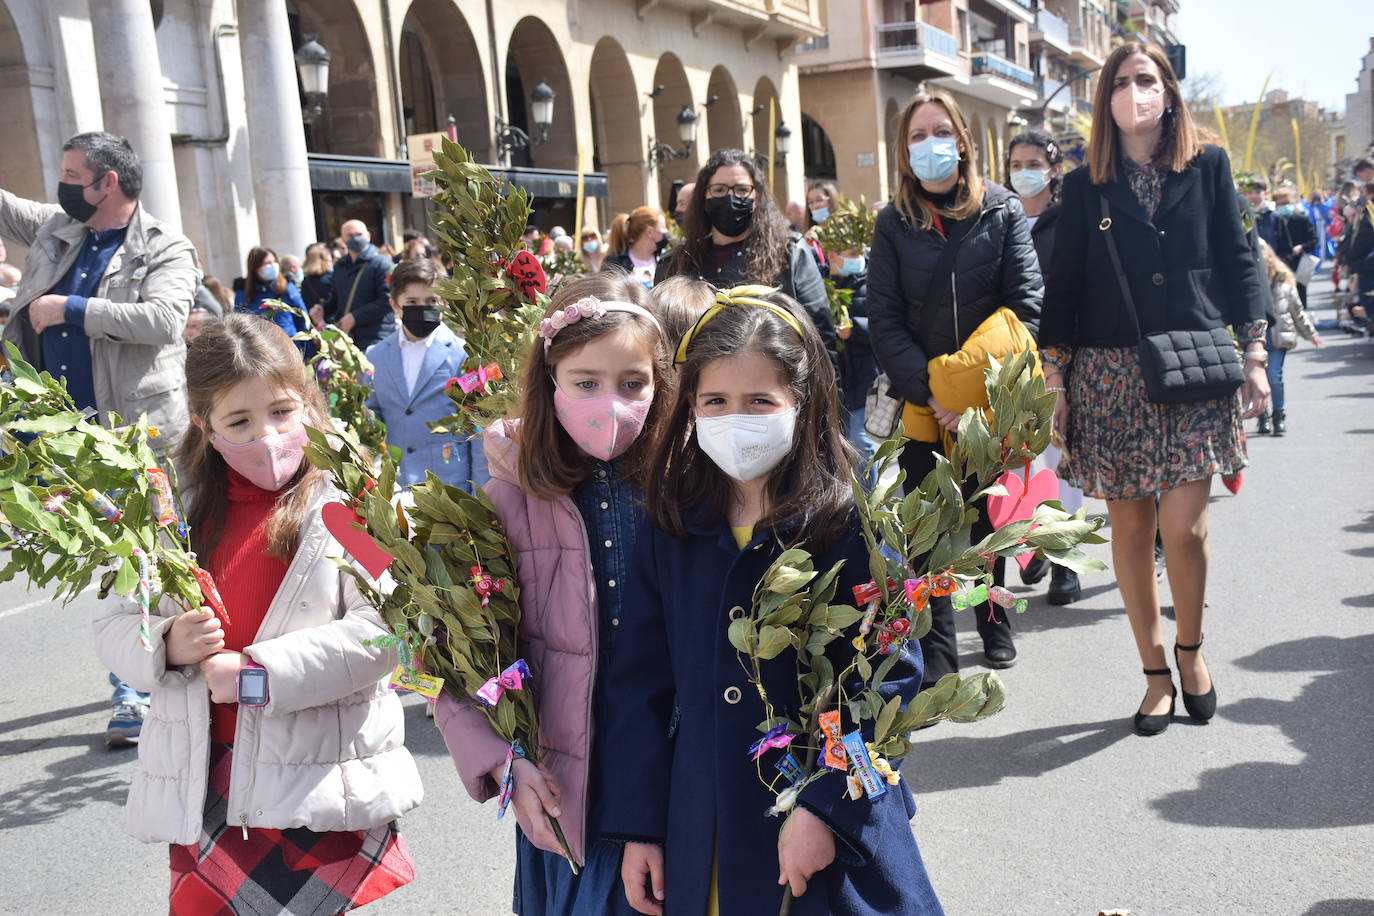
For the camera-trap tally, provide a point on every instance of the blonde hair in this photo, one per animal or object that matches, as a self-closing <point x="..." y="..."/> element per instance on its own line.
<point x="1278" y="271"/>
<point x="1179" y="144"/>
<point x="911" y="200"/>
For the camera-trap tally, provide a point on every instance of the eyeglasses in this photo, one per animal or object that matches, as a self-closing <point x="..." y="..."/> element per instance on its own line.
<point x="739" y="190"/>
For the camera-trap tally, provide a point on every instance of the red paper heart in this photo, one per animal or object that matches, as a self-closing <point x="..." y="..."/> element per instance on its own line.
<point x="527" y="273"/>
<point x="348" y="530"/>
<point x="1020" y="501"/>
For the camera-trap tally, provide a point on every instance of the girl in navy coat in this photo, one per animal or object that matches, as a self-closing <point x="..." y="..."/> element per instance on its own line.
<point x="751" y="460"/>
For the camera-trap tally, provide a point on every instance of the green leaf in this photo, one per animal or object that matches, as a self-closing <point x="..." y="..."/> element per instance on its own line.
<point x="126" y="580"/>
<point x="772" y="641"/>
<point x="883" y="727"/>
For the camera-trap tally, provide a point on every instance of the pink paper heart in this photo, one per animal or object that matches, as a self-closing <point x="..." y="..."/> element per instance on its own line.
<point x="1020" y="501"/>
<point x="348" y="530"/>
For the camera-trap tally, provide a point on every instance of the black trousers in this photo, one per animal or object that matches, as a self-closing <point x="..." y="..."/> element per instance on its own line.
<point x="939" y="647"/>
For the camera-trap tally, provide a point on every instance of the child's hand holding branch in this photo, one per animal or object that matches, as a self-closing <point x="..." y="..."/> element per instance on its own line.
<point x="535" y="797"/>
<point x="193" y="636"/>
<point x="805" y="846"/>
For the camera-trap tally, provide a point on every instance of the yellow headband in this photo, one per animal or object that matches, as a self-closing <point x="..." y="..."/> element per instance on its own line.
<point x="726" y="298"/>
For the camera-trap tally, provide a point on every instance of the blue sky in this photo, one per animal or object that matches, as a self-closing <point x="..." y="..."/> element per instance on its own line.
<point x="1313" y="47"/>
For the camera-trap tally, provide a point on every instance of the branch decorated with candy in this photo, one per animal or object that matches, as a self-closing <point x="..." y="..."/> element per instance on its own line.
<point x="513" y="678"/>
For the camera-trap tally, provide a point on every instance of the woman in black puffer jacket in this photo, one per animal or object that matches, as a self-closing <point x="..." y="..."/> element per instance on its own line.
<point x="914" y="316"/>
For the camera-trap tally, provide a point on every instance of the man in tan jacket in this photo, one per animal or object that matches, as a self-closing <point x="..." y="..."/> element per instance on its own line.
<point x="103" y="305"/>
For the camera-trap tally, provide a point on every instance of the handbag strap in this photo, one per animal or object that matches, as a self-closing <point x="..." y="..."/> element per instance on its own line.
<point x="1105" y="226"/>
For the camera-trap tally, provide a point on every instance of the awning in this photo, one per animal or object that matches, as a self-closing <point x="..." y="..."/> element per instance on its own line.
<point x="362" y="173"/>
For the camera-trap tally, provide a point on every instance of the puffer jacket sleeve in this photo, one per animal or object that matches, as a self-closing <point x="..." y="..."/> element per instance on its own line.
<point x="899" y="355"/>
<point x="1246" y="296"/>
<point x="318" y="665"/>
<point x="119" y="649"/>
<point x="1023" y="288"/>
<point x="1064" y="286"/>
<point x="159" y="314"/>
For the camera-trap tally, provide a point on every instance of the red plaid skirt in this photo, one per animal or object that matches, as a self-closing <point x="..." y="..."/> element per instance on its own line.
<point x="292" y="871"/>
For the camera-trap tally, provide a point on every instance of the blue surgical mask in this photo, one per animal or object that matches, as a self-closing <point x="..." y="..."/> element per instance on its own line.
<point x="934" y="159"/>
<point x="1029" y="182"/>
<point x="297" y="276"/>
<point x="1286" y="210"/>
<point x="820" y="215"/>
<point x="267" y="272"/>
<point x="851" y="266"/>
<point x="591" y="247"/>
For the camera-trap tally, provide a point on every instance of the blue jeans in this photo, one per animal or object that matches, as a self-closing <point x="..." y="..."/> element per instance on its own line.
<point x="1275" y="373"/>
<point x="123" y="693"/>
<point x="858" y="437"/>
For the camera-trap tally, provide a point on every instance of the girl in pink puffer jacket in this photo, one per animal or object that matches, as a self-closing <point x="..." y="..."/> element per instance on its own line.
<point x="565" y="481"/>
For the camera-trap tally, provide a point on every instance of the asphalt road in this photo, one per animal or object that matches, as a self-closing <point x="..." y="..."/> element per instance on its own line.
<point x="1054" y="806"/>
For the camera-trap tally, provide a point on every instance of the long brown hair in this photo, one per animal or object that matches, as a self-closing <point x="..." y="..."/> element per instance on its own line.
<point x="256" y="256"/>
<point x="318" y="260"/>
<point x="627" y="228"/>
<point x="766" y="243"/>
<point x="811" y="486"/>
<point x="1178" y="145"/>
<point x="225" y="353"/>
<point x="911" y="200"/>
<point x="549" y="463"/>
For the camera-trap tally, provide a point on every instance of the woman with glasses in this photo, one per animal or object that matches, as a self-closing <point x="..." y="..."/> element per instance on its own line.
<point x="948" y="252"/>
<point x="733" y="234"/>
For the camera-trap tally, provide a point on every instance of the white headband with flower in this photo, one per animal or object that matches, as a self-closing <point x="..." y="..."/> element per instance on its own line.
<point x="586" y="307"/>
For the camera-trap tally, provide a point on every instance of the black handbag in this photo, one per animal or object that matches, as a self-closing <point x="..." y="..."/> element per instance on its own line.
<point x="1180" y="367"/>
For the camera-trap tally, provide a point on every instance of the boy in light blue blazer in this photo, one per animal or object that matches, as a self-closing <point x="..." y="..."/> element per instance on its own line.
<point x="410" y="369"/>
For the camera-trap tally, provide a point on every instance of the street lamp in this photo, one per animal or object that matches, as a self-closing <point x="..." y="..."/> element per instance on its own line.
<point x="312" y="63"/>
<point x="782" y="140"/>
<point x="510" y="138"/>
<point x="660" y="153"/>
<point x="541" y="103"/>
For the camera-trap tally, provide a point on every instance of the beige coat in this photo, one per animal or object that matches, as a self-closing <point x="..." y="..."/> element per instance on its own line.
<point x="327" y="752"/>
<point x="135" y="320"/>
<point x="1290" y="318"/>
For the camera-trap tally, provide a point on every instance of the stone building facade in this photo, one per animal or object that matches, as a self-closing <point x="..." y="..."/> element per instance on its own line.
<point x="209" y="93"/>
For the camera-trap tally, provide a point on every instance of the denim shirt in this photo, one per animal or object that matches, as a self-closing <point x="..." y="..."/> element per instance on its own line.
<point x="610" y="509"/>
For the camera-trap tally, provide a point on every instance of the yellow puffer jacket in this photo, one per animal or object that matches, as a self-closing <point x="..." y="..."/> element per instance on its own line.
<point x="957" y="379"/>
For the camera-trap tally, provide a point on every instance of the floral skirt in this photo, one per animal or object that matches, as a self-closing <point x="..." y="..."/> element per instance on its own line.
<point x="1121" y="445"/>
<point x="276" y="872"/>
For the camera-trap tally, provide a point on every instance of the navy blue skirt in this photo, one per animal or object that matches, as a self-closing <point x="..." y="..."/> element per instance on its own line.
<point x="546" y="886"/>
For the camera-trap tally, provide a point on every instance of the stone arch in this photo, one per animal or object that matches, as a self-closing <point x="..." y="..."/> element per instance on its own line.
<point x="617" y="135"/>
<point x="724" y="126"/>
<point x="766" y="94"/>
<point x="677" y="92"/>
<point x="351" y="124"/>
<point x="533" y="54"/>
<point x="818" y="153"/>
<point x="21" y="166"/>
<point x="442" y="76"/>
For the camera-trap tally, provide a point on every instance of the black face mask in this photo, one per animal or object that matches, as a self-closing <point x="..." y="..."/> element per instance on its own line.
<point x="420" y="320"/>
<point x="679" y="216"/>
<point x="730" y="215"/>
<point x="71" y="197"/>
<point x="661" y="245"/>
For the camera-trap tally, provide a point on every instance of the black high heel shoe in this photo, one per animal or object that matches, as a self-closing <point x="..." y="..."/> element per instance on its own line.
<point x="1200" y="706"/>
<point x="1153" y="725"/>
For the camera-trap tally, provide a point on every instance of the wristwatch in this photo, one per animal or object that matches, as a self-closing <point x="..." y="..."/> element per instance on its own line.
<point x="252" y="684"/>
<point x="1260" y="356"/>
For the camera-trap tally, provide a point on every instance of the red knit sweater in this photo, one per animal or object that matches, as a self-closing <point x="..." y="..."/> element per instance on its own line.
<point x="247" y="577"/>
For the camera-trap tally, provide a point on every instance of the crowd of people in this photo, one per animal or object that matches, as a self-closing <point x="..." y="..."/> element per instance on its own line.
<point x="736" y="422"/>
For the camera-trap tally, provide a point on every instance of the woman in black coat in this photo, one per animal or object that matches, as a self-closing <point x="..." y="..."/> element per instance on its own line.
<point x="733" y="234"/>
<point x="914" y="315"/>
<point x="1171" y="209"/>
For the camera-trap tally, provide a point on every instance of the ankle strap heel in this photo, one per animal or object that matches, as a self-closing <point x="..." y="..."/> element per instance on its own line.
<point x="1200" y="706"/>
<point x="1153" y="725"/>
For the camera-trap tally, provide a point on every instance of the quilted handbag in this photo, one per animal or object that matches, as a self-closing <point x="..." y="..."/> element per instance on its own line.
<point x="1179" y="367"/>
<point x="881" y="409"/>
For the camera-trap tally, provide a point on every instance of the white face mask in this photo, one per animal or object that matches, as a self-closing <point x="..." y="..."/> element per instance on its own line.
<point x="1030" y="182"/>
<point x="747" y="446"/>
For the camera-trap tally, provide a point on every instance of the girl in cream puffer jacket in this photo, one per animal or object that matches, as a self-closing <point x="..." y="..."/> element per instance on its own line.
<point x="284" y="798"/>
<point x="1290" y="320"/>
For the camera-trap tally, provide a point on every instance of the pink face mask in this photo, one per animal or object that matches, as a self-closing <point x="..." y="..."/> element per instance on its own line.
<point x="1134" y="108"/>
<point x="268" y="462"/>
<point x="603" y="427"/>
